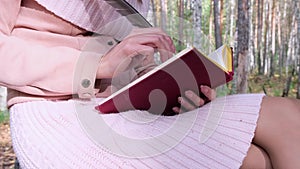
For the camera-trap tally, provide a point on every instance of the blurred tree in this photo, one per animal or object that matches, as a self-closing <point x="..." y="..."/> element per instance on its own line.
<point x="242" y="45"/>
<point x="217" y="21"/>
<point x="196" y="8"/>
<point x="297" y="6"/>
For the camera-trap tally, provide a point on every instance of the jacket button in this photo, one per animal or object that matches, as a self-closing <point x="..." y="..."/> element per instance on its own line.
<point x="110" y="43"/>
<point x="85" y="83"/>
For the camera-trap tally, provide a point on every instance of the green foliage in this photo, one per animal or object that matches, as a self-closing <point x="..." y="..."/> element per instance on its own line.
<point x="223" y="90"/>
<point x="273" y="86"/>
<point x="4" y="116"/>
<point x="277" y="92"/>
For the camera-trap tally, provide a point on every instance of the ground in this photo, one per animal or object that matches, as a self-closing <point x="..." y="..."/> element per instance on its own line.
<point x="273" y="86"/>
<point x="7" y="156"/>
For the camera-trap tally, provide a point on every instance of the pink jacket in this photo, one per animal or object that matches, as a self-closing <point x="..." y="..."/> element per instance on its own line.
<point x="46" y="60"/>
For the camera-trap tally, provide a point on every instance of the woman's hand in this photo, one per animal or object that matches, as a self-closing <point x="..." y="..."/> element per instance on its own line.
<point x="192" y="101"/>
<point x="140" y="45"/>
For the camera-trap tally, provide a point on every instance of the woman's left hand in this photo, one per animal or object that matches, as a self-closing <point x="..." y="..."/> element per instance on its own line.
<point x="192" y="101"/>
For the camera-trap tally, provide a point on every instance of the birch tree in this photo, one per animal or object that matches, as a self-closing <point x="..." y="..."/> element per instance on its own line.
<point x="242" y="45"/>
<point x="153" y="17"/>
<point x="197" y="14"/>
<point x="273" y="40"/>
<point x="3" y="95"/>
<point x="297" y="6"/>
<point x="217" y="23"/>
<point x="211" y="19"/>
<point x="163" y="14"/>
<point x="260" y="10"/>
<point x="180" y="27"/>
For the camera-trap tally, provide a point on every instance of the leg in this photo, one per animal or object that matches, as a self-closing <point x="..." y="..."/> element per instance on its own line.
<point x="256" y="158"/>
<point x="278" y="131"/>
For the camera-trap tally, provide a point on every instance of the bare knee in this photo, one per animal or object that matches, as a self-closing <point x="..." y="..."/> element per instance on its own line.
<point x="279" y="117"/>
<point x="256" y="158"/>
<point x="278" y="129"/>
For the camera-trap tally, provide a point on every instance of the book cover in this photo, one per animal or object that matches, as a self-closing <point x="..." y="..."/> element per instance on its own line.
<point x="157" y="91"/>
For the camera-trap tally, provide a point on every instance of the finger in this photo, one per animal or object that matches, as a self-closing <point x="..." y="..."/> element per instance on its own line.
<point x="167" y="50"/>
<point x="164" y="55"/>
<point x="185" y="104"/>
<point x="178" y="110"/>
<point x="158" y="41"/>
<point x="163" y="44"/>
<point x="208" y="92"/>
<point x="143" y="55"/>
<point x="139" y="55"/>
<point x="153" y="30"/>
<point x="156" y="30"/>
<point x="196" y="100"/>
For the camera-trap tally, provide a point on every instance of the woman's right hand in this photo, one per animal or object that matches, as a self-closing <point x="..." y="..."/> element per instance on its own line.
<point x="192" y="101"/>
<point x="142" y="42"/>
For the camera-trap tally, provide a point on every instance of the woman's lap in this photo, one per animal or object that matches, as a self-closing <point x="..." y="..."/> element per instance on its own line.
<point x="68" y="135"/>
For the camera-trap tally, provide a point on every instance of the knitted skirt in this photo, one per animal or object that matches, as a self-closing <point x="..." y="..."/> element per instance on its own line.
<point x="72" y="134"/>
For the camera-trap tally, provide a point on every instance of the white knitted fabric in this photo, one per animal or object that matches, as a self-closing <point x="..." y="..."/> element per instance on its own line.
<point x="95" y="15"/>
<point x="49" y="134"/>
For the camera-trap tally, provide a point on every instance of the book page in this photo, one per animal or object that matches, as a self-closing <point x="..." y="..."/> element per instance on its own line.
<point x="218" y="58"/>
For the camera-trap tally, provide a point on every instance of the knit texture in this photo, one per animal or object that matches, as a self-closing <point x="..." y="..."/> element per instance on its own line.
<point x="95" y="15"/>
<point x="50" y="135"/>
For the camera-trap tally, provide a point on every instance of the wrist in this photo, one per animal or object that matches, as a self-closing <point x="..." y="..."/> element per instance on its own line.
<point x="104" y="69"/>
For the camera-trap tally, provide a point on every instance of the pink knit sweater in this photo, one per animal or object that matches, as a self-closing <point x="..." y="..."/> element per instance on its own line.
<point x="94" y="15"/>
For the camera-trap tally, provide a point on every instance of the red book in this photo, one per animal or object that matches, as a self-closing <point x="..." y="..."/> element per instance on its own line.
<point x="158" y="90"/>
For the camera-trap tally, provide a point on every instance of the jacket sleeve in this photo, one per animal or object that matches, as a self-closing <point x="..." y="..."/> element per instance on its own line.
<point x="42" y="70"/>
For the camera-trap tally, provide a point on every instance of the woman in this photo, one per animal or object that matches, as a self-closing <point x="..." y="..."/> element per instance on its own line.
<point x="48" y="55"/>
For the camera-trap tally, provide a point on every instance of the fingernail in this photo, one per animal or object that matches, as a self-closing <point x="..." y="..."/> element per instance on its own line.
<point x="204" y="89"/>
<point x="175" y="109"/>
<point x="201" y="102"/>
<point x="180" y="100"/>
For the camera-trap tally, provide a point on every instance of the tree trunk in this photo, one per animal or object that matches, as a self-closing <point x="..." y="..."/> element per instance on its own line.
<point x="211" y="23"/>
<point x="291" y="45"/>
<point x="273" y="46"/>
<point x="289" y="31"/>
<point x="279" y="36"/>
<point x="197" y="14"/>
<point x="298" y="46"/>
<point x="229" y="21"/>
<point x="259" y="34"/>
<point x="265" y="43"/>
<point x="3" y="95"/>
<point x="232" y="18"/>
<point x="286" y="90"/>
<point x="252" y="19"/>
<point x="154" y="18"/>
<point x="221" y="16"/>
<point x="218" y="34"/>
<point x="243" y="45"/>
<point x="180" y="28"/>
<point x="163" y="15"/>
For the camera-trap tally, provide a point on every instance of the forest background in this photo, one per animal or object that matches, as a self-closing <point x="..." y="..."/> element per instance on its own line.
<point x="265" y="36"/>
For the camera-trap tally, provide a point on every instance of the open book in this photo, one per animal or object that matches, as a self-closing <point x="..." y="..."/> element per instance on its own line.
<point x="158" y="90"/>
